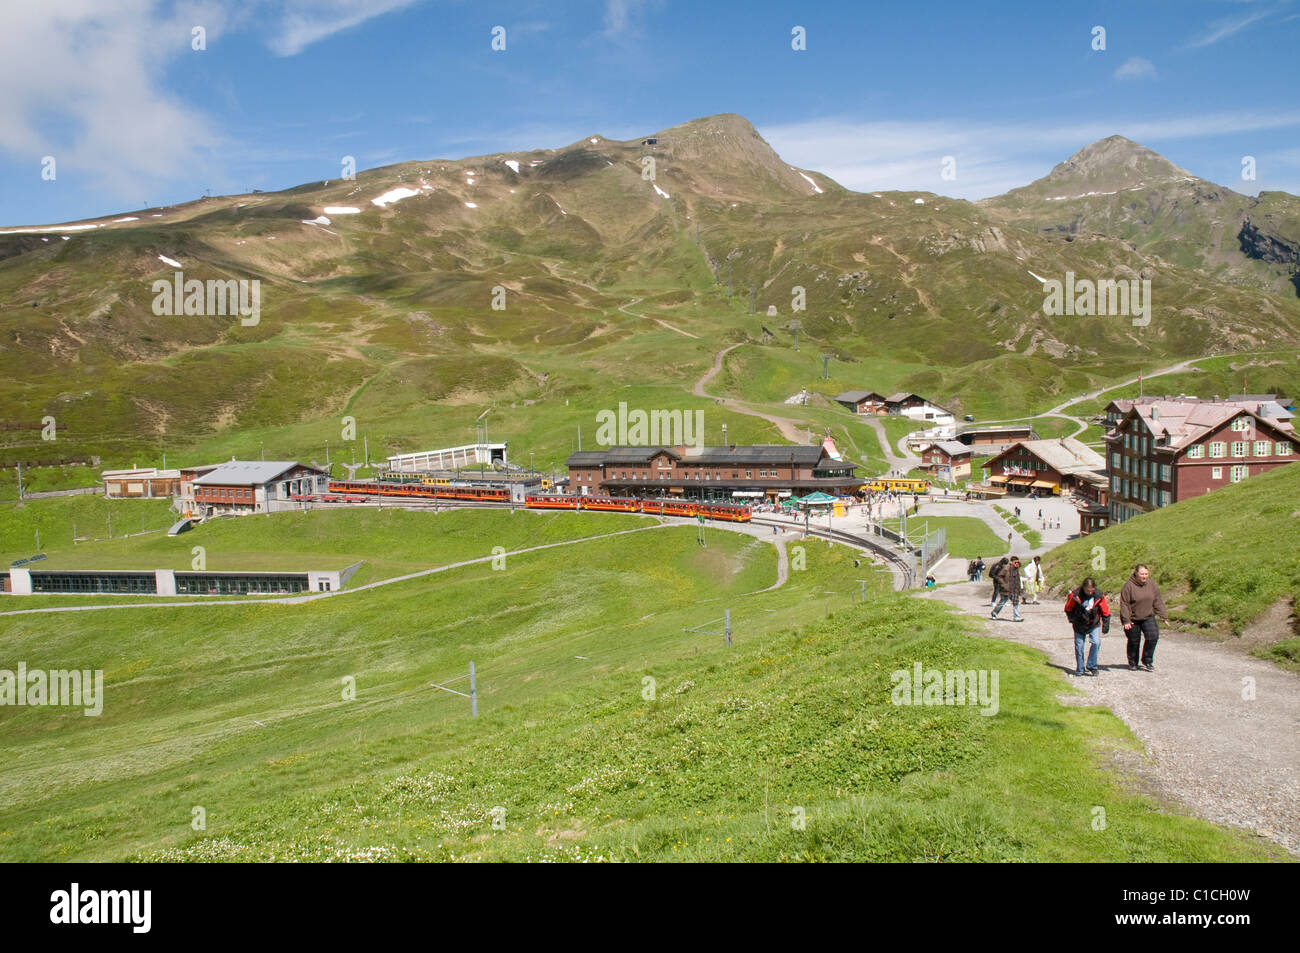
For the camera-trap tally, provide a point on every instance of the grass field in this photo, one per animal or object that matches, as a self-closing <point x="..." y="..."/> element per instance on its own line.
<point x="1221" y="559"/>
<point x="240" y="710"/>
<point x="967" y="536"/>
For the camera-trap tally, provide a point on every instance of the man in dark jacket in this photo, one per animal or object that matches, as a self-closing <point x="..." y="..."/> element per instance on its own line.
<point x="1089" y="616"/>
<point x="1009" y="589"/>
<point x="993" y="574"/>
<point x="1140" y="604"/>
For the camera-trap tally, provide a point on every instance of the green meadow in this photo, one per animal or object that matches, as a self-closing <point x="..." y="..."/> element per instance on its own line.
<point x="614" y="723"/>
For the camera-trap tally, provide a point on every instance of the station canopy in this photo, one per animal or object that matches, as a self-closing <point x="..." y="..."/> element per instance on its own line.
<point x="816" y="499"/>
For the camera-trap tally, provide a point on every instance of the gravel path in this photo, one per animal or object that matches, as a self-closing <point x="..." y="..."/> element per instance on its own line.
<point x="1226" y="759"/>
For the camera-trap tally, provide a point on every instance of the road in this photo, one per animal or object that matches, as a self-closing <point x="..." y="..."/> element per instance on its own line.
<point x="1219" y="726"/>
<point x="1081" y="425"/>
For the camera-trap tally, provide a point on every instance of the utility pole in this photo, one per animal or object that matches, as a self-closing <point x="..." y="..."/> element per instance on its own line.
<point x="826" y="366"/>
<point x="20" y="481"/>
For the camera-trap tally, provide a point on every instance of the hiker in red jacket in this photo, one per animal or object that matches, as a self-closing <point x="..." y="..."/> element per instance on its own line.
<point x="1089" y="616"/>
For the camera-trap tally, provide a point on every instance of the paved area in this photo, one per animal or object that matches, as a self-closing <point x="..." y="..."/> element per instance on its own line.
<point x="1224" y="755"/>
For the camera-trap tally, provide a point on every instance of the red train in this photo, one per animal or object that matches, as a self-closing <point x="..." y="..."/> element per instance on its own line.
<point x="734" y="512"/>
<point x="482" y="494"/>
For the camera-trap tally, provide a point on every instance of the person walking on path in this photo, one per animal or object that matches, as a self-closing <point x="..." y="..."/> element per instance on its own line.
<point x="1009" y="580"/>
<point x="1089" y="616"/>
<point x="1140" y="604"/>
<point x="995" y="574"/>
<point x="979" y="568"/>
<point x="1032" y="580"/>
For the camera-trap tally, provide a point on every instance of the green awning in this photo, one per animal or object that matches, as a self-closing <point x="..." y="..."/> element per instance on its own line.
<point x="817" y="498"/>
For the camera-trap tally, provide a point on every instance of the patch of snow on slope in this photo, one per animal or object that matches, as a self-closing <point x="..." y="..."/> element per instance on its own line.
<point x="816" y="187"/>
<point x="661" y="192"/>
<point x="318" y="220"/>
<point x="341" y="210"/>
<point x="470" y="205"/>
<point x="393" y="195"/>
<point x="61" y="228"/>
<point x="129" y="218"/>
<point x="514" y="166"/>
<point x="918" y="201"/>
<point x="170" y="261"/>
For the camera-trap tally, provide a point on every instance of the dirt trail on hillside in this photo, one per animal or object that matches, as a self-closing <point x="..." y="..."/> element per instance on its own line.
<point x="1227" y="759"/>
<point x="789" y="428"/>
<point x="1082" y="425"/>
<point x="659" y="321"/>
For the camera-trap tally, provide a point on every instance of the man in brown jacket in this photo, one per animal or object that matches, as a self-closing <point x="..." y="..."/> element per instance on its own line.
<point x="1140" y="603"/>
<point x="1008" y="578"/>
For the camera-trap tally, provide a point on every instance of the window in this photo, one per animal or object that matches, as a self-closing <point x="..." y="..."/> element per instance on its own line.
<point x="1238" y="448"/>
<point x="1164" y="497"/>
<point x="1241" y="423"/>
<point x="1165" y="473"/>
<point x="749" y="474"/>
<point x="1216" y="473"/>
<point x="1114" y="460"/>
<point x="1262" y="447"/>
<point x="1218" y="449"/>
<point x="1239" y="473"/>
<point x="1196" y="451"/>
<point x="1282" y="448"/>
<point x="1114" y="484"/>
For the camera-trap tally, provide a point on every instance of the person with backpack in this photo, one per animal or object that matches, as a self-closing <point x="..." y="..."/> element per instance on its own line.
<point x="970" y="571"/>
<point x="979" y="568"/>
<point x="1089" y="616"/>
<point x="995" y="574"/>
<point x="1009" y="586"/>
<point x="1140" y="604"/>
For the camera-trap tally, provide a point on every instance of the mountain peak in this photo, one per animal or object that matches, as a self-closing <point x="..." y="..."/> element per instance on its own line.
<point x="1114" y="163"/>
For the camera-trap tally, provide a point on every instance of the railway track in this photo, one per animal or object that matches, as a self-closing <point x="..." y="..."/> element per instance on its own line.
<point x="899" y="564"/>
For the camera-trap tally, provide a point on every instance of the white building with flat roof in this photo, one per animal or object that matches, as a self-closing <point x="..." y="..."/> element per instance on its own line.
<point x="449" y="458"/>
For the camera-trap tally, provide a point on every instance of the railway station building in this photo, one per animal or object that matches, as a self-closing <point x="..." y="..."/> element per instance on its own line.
<point x="742" y="474"/>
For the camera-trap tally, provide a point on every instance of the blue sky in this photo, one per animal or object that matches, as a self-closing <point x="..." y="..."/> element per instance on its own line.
<point x="132" y="115"/>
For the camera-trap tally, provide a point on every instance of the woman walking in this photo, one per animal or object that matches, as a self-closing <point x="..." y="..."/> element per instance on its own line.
<point x="1089" y="616"/>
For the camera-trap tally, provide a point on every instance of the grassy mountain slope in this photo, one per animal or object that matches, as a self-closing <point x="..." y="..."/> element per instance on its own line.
<point x="240" y="710"/>
<point x="610" y="281"/>
<point x="1221" y="559"/>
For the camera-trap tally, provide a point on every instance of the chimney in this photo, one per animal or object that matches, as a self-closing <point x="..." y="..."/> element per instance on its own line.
<point x="1155" y="413"/>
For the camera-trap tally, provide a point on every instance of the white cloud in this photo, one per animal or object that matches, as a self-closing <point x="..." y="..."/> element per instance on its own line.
<point x="991" y="157"/>
<point x="83" y="82"/>
<point x="1136" y="67"/>
<point x="304" y="22"/>
<point x="1221" y="29"/>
